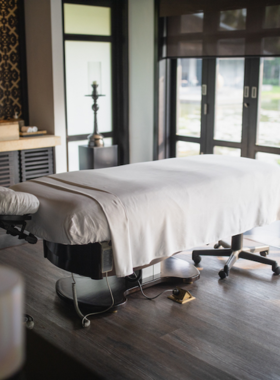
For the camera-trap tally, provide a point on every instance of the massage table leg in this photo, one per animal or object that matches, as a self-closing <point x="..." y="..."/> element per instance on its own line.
<point x="235" y="252"/>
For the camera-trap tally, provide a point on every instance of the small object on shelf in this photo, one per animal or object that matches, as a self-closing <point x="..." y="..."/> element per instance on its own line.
<point x="95" y="139"/>
<point x="29" y="129"/>
<point x="33" y="134"/>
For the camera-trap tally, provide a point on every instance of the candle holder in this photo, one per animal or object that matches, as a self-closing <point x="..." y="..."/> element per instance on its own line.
<point x="95" y="139"/>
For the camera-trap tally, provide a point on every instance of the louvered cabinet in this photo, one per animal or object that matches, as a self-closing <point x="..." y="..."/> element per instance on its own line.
<point x="35" y="163"/>
<point x="23" y="165"/>
<point x="9" y="168"/>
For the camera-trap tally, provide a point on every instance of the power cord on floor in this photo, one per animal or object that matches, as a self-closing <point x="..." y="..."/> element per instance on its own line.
<point x="151" y="298"/>
<point x="85" y="321"/>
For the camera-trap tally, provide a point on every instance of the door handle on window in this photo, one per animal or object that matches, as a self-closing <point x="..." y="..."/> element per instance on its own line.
<point x="205" y="109"/>
<point x="246" y="105"/>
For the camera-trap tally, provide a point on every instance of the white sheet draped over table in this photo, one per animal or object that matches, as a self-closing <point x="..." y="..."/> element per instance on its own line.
<point x="152" y="210"/>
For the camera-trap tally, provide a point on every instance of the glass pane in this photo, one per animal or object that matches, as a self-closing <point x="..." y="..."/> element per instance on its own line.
<point x="87" y="19"/>
<point x="268" y="157"/>
<point x="233" y="19"/>
<point x="269" y="103"/>
<point x="73" y="154"/>
<point x="225" y="151"/>
<point x="189" y="97"/>
<point x="184" y="149"/>
<point x="272" y="17"/>
<point x="270" y="46"/>
<point x="231" y="47"/>
<point x="229" y="99"/>
<point x="86" y="62"/>
<point x="108" y="141"/>
<point x="192" y="23"/>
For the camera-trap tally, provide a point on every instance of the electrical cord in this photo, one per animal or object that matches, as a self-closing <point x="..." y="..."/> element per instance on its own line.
<point x="103" y="311"/>
<point x="151" y="298"/>
<point x="85" y="321"/>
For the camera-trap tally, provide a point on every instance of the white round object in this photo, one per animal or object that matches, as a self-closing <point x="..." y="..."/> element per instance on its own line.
<point x="11" y="326"/>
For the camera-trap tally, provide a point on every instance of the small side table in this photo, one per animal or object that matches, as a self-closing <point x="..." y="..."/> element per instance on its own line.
<point x="98" y="157"/>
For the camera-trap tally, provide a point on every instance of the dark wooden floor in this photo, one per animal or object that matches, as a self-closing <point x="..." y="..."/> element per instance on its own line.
<point x="230" y="331"/>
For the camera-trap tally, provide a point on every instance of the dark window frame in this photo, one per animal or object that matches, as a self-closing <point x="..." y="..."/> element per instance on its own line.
<point x="119" y="40"/>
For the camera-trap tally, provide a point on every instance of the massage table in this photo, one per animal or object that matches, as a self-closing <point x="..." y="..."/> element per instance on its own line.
<point x="148" y="212"/>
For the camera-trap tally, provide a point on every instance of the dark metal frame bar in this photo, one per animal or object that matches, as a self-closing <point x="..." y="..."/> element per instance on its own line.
<point x="86" y="37"/>
<point x="208" y="120"/>
<point x="172" y="102"/>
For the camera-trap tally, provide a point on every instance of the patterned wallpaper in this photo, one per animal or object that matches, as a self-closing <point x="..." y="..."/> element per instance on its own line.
<point x="10" y="91"/>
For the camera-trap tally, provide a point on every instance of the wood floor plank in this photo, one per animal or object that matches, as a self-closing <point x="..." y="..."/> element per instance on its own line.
<point x="230" y="331"/>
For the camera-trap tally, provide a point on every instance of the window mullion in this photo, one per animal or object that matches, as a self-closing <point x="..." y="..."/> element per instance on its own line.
<point x="172" y="101"/>
<point x="207" y="127"/>
<point x="253" y="107"/>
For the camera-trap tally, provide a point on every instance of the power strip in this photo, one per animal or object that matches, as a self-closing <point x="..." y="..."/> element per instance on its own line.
<point x="106" y="257"/>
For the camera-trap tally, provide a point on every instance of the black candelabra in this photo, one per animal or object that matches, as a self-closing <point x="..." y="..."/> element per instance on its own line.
<point x="95" y="139"/>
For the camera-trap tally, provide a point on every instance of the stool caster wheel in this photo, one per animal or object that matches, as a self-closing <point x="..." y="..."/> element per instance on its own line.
<point x="276" y="270"/>
<point x="222" y="274"/>
<point x="264" y="253"/>
<point x="217" y="245"/>
<point x="196" y="259"/>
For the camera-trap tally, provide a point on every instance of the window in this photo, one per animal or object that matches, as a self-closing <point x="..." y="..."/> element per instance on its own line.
<point x="95" y="51"/>
<point x="221" y="78"/>
<point x="226" y="106"/>
<point x="269" y="103"/>
<point x="229" y="99"/>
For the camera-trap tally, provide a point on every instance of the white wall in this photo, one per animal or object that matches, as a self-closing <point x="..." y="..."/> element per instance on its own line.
<point x="44" y="54"/>
<point x="141" y="79"/>
<point x="141" y="89"/>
